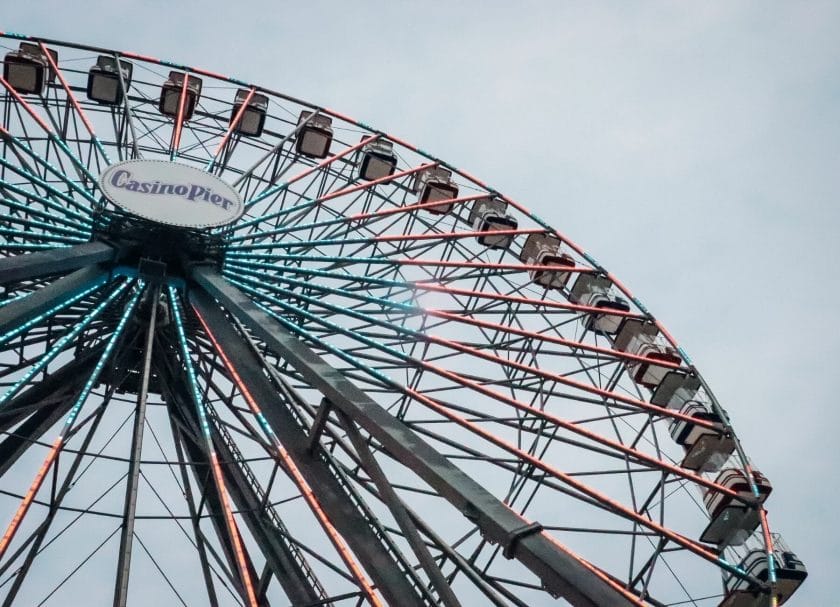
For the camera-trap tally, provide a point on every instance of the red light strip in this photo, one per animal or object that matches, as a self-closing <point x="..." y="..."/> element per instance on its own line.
<point x="233" y="531"/>
<point x="67" y="90"/>
<point x="176" y="134"/>
<point x="331" y="159"/>
<point x="23" y="508"/>
<point x="358" y="217"/>
<point x="548" y="338"/>
<point x="235" y="122"/>
<point x="577" y="429"/>
<point x="29" y="109"/>
<point x="297" y="477"/>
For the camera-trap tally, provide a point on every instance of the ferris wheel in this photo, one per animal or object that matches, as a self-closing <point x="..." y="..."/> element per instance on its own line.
<point x="255" y="352"/>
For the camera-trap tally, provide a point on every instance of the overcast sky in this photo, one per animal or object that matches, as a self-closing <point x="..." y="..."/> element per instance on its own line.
<point x="692" y="148"/>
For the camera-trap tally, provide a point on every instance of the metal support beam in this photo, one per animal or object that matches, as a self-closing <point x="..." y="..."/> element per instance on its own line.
<point x="391" y="580"/>
<point x="133" y="481"/>
<point x="43" y="263"/>
<point x="40" y="301"/>
<point x="562" y="572"/>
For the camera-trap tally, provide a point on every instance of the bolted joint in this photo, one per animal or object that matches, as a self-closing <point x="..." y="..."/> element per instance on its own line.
<point x="513" y="537"/>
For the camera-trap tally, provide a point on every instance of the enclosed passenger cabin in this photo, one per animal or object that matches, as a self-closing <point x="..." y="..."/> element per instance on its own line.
<point x="706" y="449"/>
<point x="377" y="160"/>
<point x="596" y="292"/>
<point x="252" y="121"/>
<point x="790" y="573"/>
<point x="732" y="521"/>
<point x="677" y="388"/>
<point x="642" y="338"/>
<point x="650" y="374"/>
<point x="435" y="184"/>
<point x="314" y="135"/>
<point x="490" y="215"/>
<point x="544" y="250"/>
<point x="28" y="69"/>
<point x="170" y="95"/>
<point x="103" y="84"/>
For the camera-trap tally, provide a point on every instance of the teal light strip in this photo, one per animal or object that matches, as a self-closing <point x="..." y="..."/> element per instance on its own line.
<point x="34" y="321"/>
<point x="193" y="381"/>
<point x="103" y="360"/>
<point x="61" y="344"/>
<point x="57" y="172"/>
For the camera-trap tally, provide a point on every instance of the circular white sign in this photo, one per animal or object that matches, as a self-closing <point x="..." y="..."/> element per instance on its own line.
<point x="171" y="193"/>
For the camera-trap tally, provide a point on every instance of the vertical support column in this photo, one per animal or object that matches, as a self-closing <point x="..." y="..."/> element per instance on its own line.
<point x="130" y="506"/>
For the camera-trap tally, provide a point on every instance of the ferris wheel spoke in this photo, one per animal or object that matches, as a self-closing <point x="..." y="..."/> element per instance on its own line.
<point x="273" y="152"/>
<point x="243" y="260"/>
<point x="359" y="221"/>
<point x="54" y="202"/>
<point x="178" y="125"/>
<point x="241" y="559"/>
<point x="42" y="399"/>
<point x="53" y="297"/>
<point x="62" y="343"/>
<point x="58" y="224"/>
<point x="288" y="564"/>
<point x="237" y="118"/>
<point x="71" y="477"/>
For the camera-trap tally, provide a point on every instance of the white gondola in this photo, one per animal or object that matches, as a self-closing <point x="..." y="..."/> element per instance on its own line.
<point x="253" y="117"/>
<point x="433" y="184"/>
<point x="103" y="85"/>
<point x="790" y="573"/>
<point x="648" y="373"/>
<point x="314" y="135"/>
<point x="732" y="520"/>
<point x="377" y="160"/>
<point x="676" y="388"/>
<point x="544" y="250"/>
<point x="706" y="449"/>
<point x="490" y="215"/>
<point x="28" y="69"/>
<point x="595" y="291"/>
<point x="170" y="95"/>
<point x="671" y="386"/>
